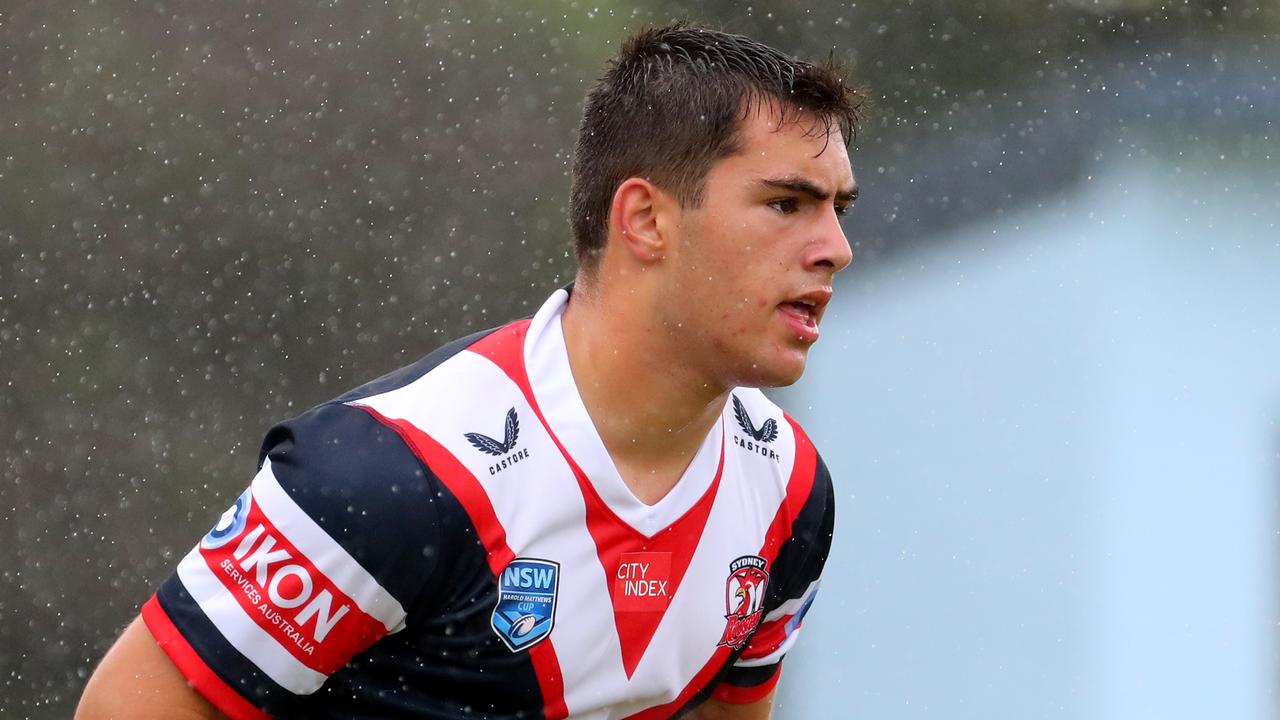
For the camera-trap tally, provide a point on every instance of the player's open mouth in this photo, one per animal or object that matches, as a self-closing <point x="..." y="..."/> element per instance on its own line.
<point x="802" y="319"/>
<point x="806" y="312"/>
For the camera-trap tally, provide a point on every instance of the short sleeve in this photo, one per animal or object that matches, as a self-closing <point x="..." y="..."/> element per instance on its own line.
<point x="793" y="587"/>
<point x="328" y="550"/>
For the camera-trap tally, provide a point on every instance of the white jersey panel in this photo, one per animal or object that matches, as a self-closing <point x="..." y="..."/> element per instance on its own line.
<point x="536" y="500"/>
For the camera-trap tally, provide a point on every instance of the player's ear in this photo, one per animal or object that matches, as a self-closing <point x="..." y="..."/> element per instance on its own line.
<point x="637" y="220"/>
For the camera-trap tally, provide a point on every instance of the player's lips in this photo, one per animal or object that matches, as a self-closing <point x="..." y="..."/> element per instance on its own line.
<point x="803" y="312"/>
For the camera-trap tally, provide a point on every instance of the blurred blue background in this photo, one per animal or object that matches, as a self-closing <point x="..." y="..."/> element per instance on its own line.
<point x="1056" y="437"/>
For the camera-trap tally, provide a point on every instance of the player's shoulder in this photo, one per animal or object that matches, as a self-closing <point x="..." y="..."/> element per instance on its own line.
<point x="345" y="426"/>
<point x="339" y="436"/>
<point x="759" y="426"/>
<point x="357" y="477"/>
<point x="415" y="371"/>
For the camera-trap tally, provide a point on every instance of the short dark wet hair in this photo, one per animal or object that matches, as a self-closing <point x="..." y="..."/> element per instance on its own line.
<point x="671" y="104"/>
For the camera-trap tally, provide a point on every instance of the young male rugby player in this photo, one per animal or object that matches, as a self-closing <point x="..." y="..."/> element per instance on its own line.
<point x="592" y="513"/>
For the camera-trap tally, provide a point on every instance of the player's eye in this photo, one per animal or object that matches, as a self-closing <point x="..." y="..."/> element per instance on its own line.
<point x="843" y="209"/>
<point x="786" y="206"/>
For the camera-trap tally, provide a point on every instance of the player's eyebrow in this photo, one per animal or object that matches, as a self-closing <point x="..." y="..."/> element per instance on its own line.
<point x="807" y="187"/>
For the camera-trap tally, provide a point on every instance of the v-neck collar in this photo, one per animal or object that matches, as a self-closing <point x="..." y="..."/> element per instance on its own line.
<point x="551" y="380"/>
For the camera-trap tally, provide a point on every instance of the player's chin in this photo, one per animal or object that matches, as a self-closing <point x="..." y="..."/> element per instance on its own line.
<point x="783" y="368"/>
<point x="792" y="372"/>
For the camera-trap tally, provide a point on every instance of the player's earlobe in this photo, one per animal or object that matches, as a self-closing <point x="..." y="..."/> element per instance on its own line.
<point x="634" y="220"/>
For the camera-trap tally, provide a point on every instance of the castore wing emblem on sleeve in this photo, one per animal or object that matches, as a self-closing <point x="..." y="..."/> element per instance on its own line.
<point x="511" y="432"/>
<point x="768" y="432"/>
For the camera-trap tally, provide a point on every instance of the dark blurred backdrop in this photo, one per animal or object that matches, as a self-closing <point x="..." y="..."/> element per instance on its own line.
<point x="215" y="215"/>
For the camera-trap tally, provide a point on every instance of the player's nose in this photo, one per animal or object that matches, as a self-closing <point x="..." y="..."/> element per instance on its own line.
<point x="830" y="248"/>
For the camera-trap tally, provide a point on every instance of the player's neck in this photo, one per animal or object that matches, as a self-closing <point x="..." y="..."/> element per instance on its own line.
<point x="649" y="410"/>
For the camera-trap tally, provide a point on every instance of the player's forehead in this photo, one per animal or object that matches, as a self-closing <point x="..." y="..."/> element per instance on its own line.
<point x="794" y="143"/>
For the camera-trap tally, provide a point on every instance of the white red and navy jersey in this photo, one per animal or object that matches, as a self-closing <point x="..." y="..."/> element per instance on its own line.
<point x="453" y="541"/>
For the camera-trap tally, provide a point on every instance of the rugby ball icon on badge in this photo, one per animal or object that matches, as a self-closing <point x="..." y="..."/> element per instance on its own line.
<point x="521" y="627"/>
<point x="526" y="609"/>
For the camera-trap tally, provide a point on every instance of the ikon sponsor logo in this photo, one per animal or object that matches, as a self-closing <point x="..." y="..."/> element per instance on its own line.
<point x="290" y="598"/>
<point x="267" y="570"/>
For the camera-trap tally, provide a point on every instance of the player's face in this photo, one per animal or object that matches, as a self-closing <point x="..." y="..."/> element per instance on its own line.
<point x="756" y="260"/>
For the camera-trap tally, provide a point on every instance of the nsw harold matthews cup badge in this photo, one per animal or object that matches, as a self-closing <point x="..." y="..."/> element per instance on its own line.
<point x="526" y="609"/>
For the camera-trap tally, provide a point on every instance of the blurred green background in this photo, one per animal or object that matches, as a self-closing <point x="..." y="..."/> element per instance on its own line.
<point x="213" y="216"/>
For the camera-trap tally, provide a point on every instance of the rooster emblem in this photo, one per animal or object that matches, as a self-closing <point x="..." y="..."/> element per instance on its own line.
<point x="744" y="599"/>
<point x="768" y="432"/>
<point x="746" y="595"/>
<point x="510" y="433"/>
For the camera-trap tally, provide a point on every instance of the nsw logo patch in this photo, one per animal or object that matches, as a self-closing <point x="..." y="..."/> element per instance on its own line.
<point x="526" y="609"/>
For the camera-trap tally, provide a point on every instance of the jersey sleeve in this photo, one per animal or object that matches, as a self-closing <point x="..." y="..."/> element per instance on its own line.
<point x="797" y="572"/>
<point x="330" y="548"/>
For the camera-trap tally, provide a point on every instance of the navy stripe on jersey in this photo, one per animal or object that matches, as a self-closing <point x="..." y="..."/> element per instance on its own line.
<point x="453" y="667"/>
<point x="751" y="676"/>
<point x="356" y="479"/>
<point x="802" y="557"/>
<point x="221" y="657"/>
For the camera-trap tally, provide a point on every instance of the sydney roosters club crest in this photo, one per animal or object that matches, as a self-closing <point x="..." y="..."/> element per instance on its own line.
<point x="744" y="599"/>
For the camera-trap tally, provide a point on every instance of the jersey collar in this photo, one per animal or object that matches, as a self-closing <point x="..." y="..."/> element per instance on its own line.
<point x="547" y="364"/>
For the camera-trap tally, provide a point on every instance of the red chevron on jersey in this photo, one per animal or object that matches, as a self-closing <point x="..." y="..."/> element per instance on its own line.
<point x="634" y="621"/>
